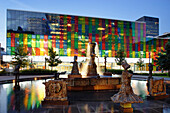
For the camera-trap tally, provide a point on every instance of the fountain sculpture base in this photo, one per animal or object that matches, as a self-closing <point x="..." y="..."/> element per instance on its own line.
<point x="82" y="84"/>
<point x="126" y="108"/>
<point x="74" y="76"/>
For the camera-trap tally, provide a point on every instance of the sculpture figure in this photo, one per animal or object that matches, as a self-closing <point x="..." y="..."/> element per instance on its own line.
<point x="75" y="71"/>
<point x="126" y="94"/>
<point x="91" y="70"/>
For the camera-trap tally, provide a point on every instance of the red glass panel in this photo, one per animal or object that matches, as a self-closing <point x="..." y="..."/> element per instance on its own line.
<point x="97" y="38"/>
<point x="86" y="21"/>
<point x="138" y="46"/>
<point x="45" y="37"/>
<point x="90" y="37"/>
<point x="12" y="39"/>
<point x="37" y="51"/>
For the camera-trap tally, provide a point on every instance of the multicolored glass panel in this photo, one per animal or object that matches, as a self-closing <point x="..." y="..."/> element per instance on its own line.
<point x="70" y="36"/>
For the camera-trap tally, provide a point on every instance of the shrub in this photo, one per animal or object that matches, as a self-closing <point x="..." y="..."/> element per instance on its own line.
<point x="118" y="71"/>
<point x="37" y="72"/>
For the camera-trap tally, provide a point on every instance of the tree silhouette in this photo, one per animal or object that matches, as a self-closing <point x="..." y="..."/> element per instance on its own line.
<point x="53" y="61"/>
<point x="120" y="56"/>
<point x="163" y="59"/>
<point x="20" y="57"/>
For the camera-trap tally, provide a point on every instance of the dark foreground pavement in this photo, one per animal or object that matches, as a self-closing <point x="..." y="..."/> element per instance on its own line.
<point x="96" y="101"/>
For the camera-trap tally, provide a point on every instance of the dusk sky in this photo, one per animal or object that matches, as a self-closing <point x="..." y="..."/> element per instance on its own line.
<point x="129" y="10"/>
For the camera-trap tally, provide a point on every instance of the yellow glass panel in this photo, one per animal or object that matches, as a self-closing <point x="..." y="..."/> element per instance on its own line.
<point x="41" y="43"/>
<point x="42" y="51"/>
<point x="69" y="52"/>
<point x="8" y="34"/>
<point x="110" y="53"/>
<point x="25" y="35"/>
<point x="25" y="41"/>
<point x="16" y="35"/>
<point x="33" y="42"/>
<point x="133" y="54"/>
<point x="33" y="51"/>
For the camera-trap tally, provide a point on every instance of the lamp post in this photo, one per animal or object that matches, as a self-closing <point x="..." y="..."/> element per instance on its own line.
<point x="45" y="62"/>
<point x="150" y="74"/>
<point x="105" y="57"/>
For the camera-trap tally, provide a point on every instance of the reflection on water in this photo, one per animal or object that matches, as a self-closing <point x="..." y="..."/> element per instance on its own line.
<point x="33" y="92"/>
<point x="29" y="97"/>
<point x="140" y="88"/>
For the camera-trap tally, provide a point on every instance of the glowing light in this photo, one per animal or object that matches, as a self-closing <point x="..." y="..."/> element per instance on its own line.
<point x="35" y="78"/>
<point x="100" y="28"/>
<point x="69" y="25"/>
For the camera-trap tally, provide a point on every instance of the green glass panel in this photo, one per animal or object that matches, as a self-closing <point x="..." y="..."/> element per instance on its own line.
<point x="12" y="50"/>
<point x="139" y="54"/>
<point x="29" y="42"/>
<point x="21" y="40"/>
<point x="49" y="43"/>
<point x="60" y="52"/>
<point x="37" y="37"/>
<point x="65" y="20"/>
<point x="116" y="46"/>
<point x="103" y="53"/>
<point x="29" y="36"/>
<point x="144" y="54"/>
<point x="110" y="45"/>
<point x="130" y="54"/>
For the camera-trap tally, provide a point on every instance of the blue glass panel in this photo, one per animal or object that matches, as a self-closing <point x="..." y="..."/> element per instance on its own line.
<point x="41" y="36"/>
<point x="8" y="50"/>
<point x="8" y="41"/>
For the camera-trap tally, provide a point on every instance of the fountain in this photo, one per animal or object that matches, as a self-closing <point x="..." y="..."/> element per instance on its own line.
<point x="91" y="66"/>
<point x="90" y="74"/>
<point x="91" y="70"/>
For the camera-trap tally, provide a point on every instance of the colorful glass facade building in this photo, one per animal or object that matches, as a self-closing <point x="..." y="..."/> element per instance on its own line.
<point x="69" y="35"/>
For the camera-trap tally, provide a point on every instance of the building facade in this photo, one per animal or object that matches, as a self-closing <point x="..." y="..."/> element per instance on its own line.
<point x="69" y="35"/>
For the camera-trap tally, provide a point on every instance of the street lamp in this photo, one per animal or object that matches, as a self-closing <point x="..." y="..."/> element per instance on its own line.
<point x="45" y="62"/>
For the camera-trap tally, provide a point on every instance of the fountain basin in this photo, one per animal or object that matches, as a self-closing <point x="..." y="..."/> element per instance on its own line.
<point x="80" y="84"/>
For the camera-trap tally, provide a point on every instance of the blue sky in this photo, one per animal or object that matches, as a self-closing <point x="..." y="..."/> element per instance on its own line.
<point x="113" y="9"/>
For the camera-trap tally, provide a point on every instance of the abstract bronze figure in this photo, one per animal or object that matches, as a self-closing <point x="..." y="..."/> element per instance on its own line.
<point x="75" y="71"/>
<point x="92" y="67"/>
<point x="126" y="96"/>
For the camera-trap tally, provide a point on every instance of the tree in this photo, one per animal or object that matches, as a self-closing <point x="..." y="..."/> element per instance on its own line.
<point x="163" y="59"/>
<point x="120" y="56"/>
<point x="20" y="57"/>
<point x="53" y="61"/>
<point x="140" y="63"/>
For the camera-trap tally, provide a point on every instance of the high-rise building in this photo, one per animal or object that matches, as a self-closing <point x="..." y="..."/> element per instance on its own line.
<point x="69" y="35"/>
<point x="152" y="25"/>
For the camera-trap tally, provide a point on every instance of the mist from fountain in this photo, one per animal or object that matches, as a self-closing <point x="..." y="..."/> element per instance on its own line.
<point x="84" y="67"/>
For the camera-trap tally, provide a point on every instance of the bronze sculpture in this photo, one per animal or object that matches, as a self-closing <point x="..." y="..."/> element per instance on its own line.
<point x="75" y="71"/>
<point x="92" y="65"/>
<point x="126" y="96"/>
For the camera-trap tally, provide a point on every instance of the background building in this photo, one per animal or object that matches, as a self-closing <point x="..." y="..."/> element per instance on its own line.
<point x="69" y="35"/>
<point x="152" y="25"/>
